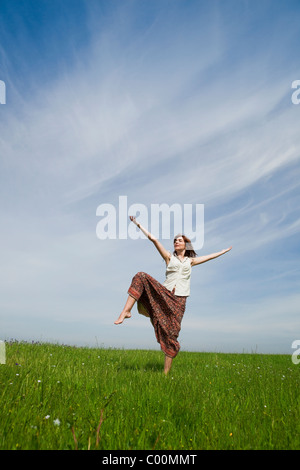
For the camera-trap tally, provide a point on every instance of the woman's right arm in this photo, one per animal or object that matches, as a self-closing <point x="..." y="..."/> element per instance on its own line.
<point x="160" y="248"/>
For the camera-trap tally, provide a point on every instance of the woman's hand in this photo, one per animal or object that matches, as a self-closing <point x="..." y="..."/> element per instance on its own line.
<point x="133" y="219"/>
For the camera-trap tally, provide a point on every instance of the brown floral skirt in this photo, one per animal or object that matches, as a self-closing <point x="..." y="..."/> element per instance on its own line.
<point x="164" y="308"/>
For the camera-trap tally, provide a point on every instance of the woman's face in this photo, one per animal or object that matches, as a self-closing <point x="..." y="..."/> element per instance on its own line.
<point x="179" y="243"/>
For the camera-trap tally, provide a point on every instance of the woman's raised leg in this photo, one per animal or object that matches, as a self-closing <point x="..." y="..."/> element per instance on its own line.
<point x="126" y="312"/>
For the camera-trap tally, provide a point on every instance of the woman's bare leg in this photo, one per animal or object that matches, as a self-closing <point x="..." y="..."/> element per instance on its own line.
<point x="168" y="364"/>
<point x="126" y="312"/>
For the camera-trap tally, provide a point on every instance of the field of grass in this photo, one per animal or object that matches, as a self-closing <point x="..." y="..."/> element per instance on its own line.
<point x="62" y="397"/>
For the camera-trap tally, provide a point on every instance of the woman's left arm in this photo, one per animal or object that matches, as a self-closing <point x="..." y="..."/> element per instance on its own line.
<point x="203" y="259"/>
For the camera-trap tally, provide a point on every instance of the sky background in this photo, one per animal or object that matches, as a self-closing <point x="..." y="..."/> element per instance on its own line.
<point x="160" y="101"/>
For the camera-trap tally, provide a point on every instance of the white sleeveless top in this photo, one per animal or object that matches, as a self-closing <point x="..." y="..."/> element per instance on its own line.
<point x="178" y="275"/>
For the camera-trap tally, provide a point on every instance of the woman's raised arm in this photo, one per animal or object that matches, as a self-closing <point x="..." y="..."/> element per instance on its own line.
<point x="161" y="249"/>
<point x="203" y="259"/>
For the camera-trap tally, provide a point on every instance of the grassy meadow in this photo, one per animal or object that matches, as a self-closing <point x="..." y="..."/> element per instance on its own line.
<point x="62" y="397"/>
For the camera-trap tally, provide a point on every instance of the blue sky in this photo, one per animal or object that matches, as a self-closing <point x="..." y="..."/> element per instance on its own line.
<point x="183" y="102"/>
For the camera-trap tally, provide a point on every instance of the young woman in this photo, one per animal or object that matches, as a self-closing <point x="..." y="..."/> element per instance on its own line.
<point x="165" y="303"/>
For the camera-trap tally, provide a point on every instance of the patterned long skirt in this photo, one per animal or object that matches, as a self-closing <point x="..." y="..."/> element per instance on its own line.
<point x="164" y="308"/>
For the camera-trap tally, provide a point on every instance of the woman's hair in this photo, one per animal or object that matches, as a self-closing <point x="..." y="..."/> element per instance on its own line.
<point x="189" y="250"/>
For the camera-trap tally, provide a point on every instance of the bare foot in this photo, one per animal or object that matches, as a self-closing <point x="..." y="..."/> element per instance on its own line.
<point x="122" y="317"/>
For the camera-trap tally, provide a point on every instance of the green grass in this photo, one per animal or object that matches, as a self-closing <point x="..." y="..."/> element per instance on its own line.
<point x="61" y="397"/>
